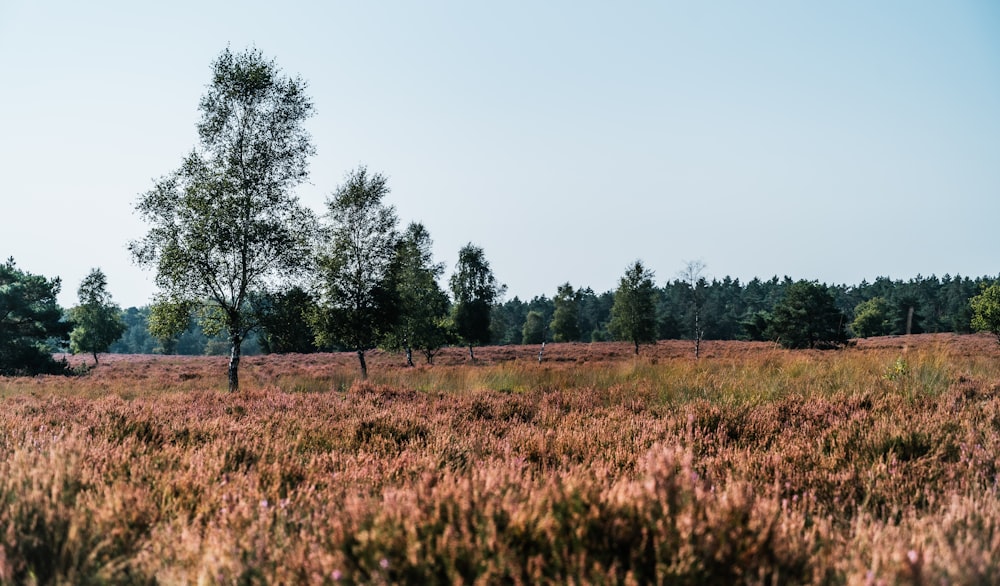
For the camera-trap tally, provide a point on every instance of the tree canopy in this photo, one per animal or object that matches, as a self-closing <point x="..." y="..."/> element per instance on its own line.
<point x="423" y="305"/>
<point x="97" y="320"/>
<point x="633" y="315"/>
<point x="475" y="290"/>
<point x="986" y="310"/>
<point x="225" y="226"/>
<point x="29" y="318"/>
<point x="807" y="317"/>
<point x="358" y="307"/>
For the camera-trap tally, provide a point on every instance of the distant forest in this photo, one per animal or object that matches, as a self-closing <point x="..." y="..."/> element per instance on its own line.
<point x="729" y="310"/>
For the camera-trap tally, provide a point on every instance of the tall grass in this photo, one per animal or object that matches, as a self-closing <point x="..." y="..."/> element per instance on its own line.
<point x="857" y="467"/>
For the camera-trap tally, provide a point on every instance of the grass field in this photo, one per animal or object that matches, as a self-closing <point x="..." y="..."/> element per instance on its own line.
<point x="874" y="464"/>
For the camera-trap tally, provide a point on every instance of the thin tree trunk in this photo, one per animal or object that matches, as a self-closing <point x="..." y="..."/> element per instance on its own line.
<point x="409" y="356"/>
<point x="234" y="364"/>
<point x="636" y="347"/>
<point x="95" y="360"/>
<point x="364" y="366"/>
<point x="471" y="355"/>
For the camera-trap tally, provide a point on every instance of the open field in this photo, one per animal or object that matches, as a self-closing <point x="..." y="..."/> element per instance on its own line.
<point x="875" y="464"/>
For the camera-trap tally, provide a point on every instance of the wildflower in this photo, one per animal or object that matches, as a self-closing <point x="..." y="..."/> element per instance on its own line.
<point x="263" y="503"/>
<point x="384" y="563"/>
<point x="336" y="575"/>
<point x="913" y="556"/>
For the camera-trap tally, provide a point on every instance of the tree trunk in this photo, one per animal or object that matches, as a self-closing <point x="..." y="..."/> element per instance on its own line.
<point x="697" y="334"/>
<point x="95" y="360"/>
<point x="471" y="355"/>
<point x="636" y="347"/>
<point x="364" y="367"/>
<point x="409" y="356"/>
<point x="234" y="363"/>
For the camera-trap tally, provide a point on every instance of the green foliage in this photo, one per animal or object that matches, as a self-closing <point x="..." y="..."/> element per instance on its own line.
<point x="284" y="322"/>
<point x="871" y="318"/>
<point x="986" y="310"/>
<point x="633" y="316"/>
<point x="359" y="306"/>
<point x="534" y="328"/>
<point x="168" y="320"/>
<point x="475" y="290"/>
<point x="97" y="320"/>
<point x="29" y="316"/>
<point x="136" y="339"/>
<point x="565" y="324"/>
<point x="807" y="317"/>
<point x="225" y="225"/>
<point x="423" y="306"/>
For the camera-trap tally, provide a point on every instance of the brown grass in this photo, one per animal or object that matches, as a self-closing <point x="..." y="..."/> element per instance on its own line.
<point x="876" y="464"/>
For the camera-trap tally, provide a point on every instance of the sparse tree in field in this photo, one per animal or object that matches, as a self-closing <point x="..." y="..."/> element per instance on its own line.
<point x="565" y="324"/>
<point x="475" y="290"/>
<point x="226" y="226"/>
<point x="29" y="316"/>
<point x="423" y="305"/>
<point x="633" y="315"/>
<point x="97" y="319"/>
<point x="871" y="318"/>
<point x="986" y="310"/>
<point x="807" y="317"/>
<point x="691" y="274"/>
<point x="358" y="305"/>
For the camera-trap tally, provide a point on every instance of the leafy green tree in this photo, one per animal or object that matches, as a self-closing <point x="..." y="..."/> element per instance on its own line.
<point x="633" y="316"/>
<point x="807" y="317"/>
<point x="986" y="310"/>
<point x="871" y="318"/>
<point x="423" y="305"/>
<point x="565" y="324"/>
<point x="475" y="290"/>
<point x="284" y="322"/>
<point x="225" y="225"/>
<point x="97" y="319"/>
<point x="168" y="322"/>
<point x="533" y="331"/>
<point x="358" y="307"/>
<point x="29" y="316"/>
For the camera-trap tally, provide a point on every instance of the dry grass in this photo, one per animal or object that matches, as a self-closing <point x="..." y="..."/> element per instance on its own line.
<point x="877" y="464"/>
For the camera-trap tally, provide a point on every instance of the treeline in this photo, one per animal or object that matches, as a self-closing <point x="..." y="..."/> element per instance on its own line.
<point x="242" y="266"/>
<point x="730" y="310"/>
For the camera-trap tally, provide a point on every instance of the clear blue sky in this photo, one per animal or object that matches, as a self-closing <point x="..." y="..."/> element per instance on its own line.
<point x="836" y="141"/>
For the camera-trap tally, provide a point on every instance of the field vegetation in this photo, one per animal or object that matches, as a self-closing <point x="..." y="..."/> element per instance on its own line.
<point x="875" y="464"/>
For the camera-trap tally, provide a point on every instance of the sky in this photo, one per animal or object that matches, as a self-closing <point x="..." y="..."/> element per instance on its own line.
<point x="830" y="141"/>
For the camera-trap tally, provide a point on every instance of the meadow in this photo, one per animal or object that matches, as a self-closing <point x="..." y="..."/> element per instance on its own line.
<point x="876" y="464"/>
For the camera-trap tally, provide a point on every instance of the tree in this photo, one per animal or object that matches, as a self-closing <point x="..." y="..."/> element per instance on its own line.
<point x="97" y="320"/>
<point x="29" y="316"/>
<point x="423" y="305"/>
<point x="475" y="290"/>
<point x="871" y="318"/>
<point x="225" y="225"/>
<point x="986" y="310"/>
<point x="692" y="277"/>
<point x="533" y="331"/>
<point x="633" y="315"/>
<point x="284" y="322"/>
<point x="358" y="307"/>
<point x="565" y="324"/>
<point x="136" y="338"/>
<point x="807" y="317"/>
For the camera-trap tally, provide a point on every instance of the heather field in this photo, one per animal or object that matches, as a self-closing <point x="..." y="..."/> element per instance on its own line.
<point x="875" y="464"/>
